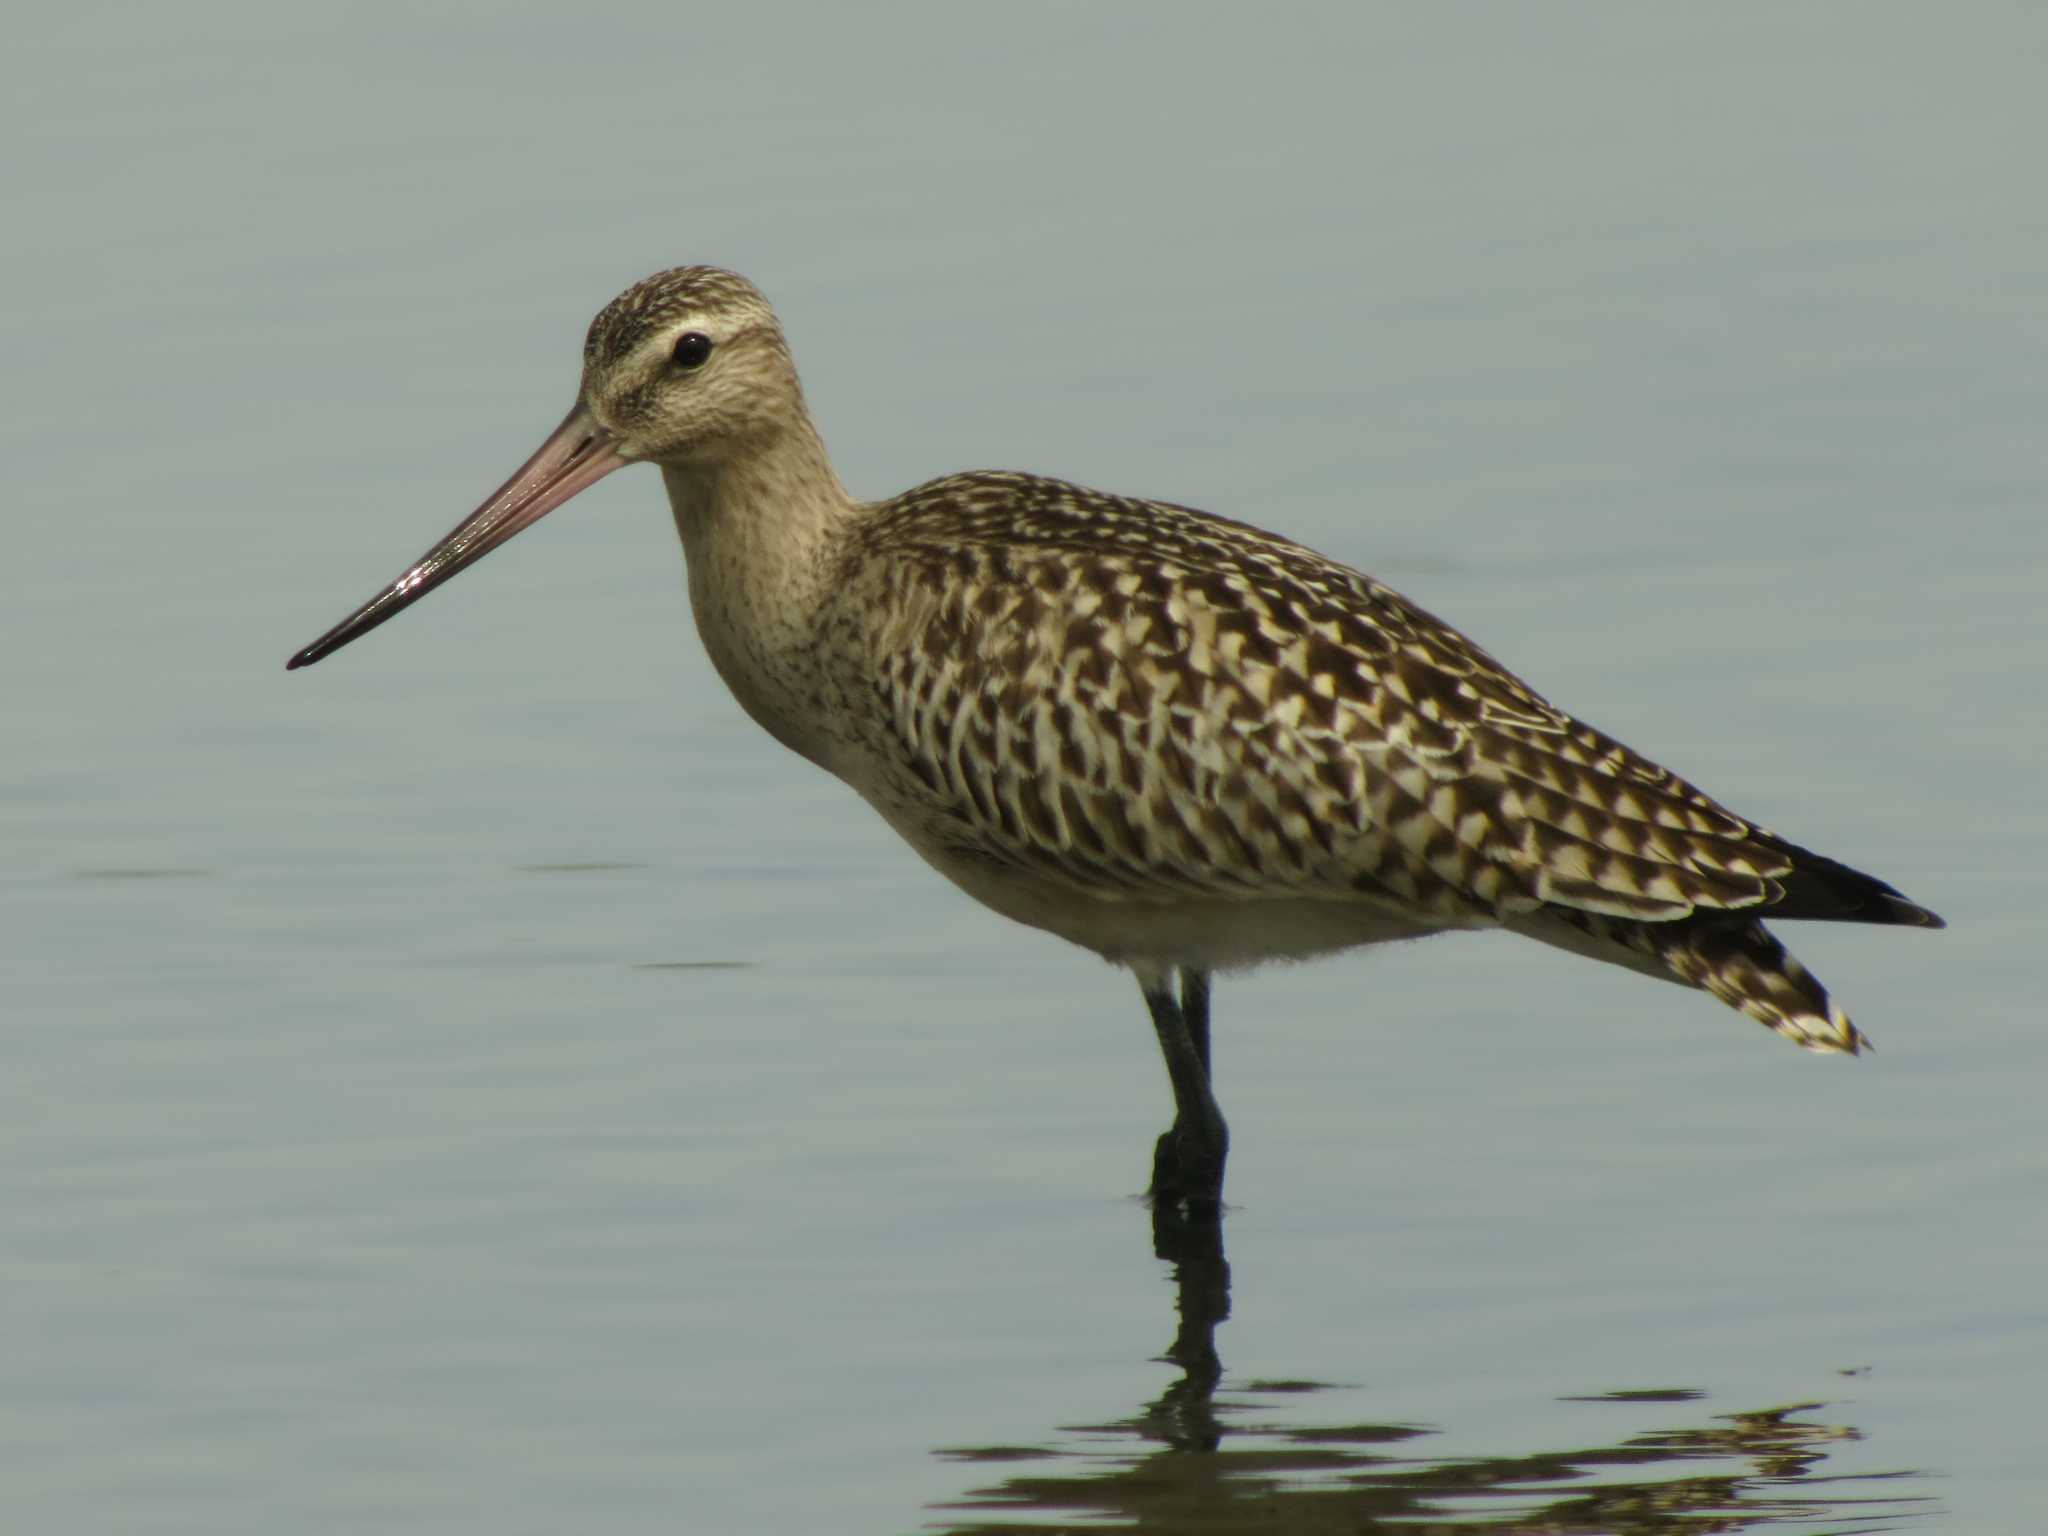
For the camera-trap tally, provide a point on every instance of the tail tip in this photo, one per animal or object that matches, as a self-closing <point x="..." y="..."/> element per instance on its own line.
<point x="1833" y="1035"/>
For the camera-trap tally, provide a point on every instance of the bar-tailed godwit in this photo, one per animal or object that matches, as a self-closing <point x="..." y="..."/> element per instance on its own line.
<point x="1176" y="740"/>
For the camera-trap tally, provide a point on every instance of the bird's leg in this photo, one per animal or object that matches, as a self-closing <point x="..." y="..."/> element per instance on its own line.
<point x="1194" y="1010"/>
<point x="1187" y="1163"/>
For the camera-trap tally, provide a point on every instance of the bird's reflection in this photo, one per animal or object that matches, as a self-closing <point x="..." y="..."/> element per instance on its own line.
<point x="1184" y="1415"/>
<point x="1203" y="1459"/>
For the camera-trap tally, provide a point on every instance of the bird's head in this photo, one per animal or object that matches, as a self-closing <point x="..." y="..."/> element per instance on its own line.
<point x="686" y="368"/>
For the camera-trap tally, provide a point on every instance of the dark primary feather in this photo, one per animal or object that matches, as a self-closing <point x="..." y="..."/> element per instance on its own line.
<point x="1825" y="890"/>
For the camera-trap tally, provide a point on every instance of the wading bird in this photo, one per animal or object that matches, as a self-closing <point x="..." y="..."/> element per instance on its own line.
<point x="1176" y="740"/>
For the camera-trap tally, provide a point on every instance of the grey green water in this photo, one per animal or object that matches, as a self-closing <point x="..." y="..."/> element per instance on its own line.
<point x="482" y="1084"/>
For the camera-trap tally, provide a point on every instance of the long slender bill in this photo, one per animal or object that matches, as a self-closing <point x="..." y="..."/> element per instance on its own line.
<point x="575" y="457"/>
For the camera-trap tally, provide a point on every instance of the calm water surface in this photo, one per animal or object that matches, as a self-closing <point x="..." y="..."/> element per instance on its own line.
<point x="482" y="1084"/>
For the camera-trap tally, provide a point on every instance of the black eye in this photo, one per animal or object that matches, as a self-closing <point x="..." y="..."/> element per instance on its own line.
<point x="693" y="350"/>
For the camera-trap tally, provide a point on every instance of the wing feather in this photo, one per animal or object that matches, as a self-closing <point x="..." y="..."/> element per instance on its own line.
<point x="1143" y="702"/>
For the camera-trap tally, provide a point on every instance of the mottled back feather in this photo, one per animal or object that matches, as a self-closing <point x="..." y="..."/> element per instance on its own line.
<point x="1142" y="698"/>
<point x="1141" y="702"/>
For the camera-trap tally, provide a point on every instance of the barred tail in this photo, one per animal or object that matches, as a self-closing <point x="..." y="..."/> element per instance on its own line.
<point x="1745" y="966"/>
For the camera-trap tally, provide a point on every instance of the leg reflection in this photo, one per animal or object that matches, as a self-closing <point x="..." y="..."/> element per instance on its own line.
<point x="1184" y="1415"/>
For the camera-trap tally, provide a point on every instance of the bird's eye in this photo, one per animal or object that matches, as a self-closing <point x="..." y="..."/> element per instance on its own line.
<point x="693" y="350"/>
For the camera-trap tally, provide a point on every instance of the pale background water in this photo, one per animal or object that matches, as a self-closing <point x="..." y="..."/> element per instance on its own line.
<point x="483" y="1085"/>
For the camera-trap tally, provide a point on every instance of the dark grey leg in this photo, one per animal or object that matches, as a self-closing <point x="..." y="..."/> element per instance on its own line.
<point x="1187" y="1163"/>
<point x="1194" y="1009"/>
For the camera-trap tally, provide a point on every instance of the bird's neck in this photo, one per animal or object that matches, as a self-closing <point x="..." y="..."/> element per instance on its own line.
<point x="761" y="534"/>
<point x="783" y="486"/>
